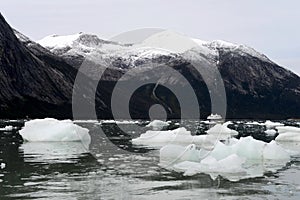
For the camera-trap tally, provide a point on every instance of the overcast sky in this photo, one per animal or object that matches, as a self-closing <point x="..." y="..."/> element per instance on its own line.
<point x="270" y="26"/>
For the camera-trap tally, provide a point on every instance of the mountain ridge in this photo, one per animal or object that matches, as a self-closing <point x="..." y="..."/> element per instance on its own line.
<point x="43" y="80"/>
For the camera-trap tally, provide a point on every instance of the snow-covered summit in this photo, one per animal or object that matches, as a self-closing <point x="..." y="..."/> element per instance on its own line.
<point x="165" y="43"/>
<point x="217" y="45"/>
<point x="61" y="41"/>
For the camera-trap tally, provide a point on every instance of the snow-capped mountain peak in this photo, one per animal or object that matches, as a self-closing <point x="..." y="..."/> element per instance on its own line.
<point x="58" y="41"/>
<point x="62" y="41"/>
<point x="160" y="44"/>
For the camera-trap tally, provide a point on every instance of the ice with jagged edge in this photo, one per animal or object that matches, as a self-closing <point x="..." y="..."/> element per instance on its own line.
<point x="219" y="154"/>
<point x="236" y="160"/>
<point x="181" y="136"/>
<point x="53" y="130"/>
<point x="288" y="134"/>
<point x="157" y="125"/>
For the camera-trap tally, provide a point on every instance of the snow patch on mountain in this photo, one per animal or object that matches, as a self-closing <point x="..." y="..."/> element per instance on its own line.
<point x="165" y="43"/>
<point x="57" y="41"/>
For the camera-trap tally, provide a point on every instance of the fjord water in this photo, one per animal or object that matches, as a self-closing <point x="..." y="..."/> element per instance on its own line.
<point x="66" y="170"/>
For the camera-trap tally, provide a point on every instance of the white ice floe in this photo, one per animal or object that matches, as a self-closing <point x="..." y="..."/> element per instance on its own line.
<point x="288" y="133"/>
<point x="214" y="117"/>
<point x="2" y="165"/>
<point x="269" y="124"/>
<point x="111" y="121"/>
<point x="254" y="123"/>
<point x="7" y="128"/>
<point x="270" y="132"/>
<point x="158" y="124"/>
<point x="221" y="131"/>
<point x="229" y="167"/>
<point x="237" y="160"/>
<point x="89" y="121"/>
<point x="179" y="136"/>
<point x="127" y="122"/>
<point x="52" y="130"/>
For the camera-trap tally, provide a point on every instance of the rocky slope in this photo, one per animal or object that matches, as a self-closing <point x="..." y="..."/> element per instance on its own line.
<point x="255" y="86"/>
<point x="37" y="78"/>
<point x="34" y="82"/>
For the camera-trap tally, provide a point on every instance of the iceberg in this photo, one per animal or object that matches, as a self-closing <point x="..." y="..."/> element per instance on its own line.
<point x="221" y="131"/>
<point x="239" y="159"/>
<point x="254" y="123"/>
<point x="118" y="122"/>
<point x="269" y="124"/>
<point x="2" y="165"/>
<point x="183" y="137"/>
<point x="52" y="130"/>
<point x="288" y="133"/>
<point x="158" y="124"/>
<point x="229" y="167"/>
<point x="179" y="136"/>
<point x="270" y="132"/>
<point x="214" y="117"/>
<point x="285" y="129"/>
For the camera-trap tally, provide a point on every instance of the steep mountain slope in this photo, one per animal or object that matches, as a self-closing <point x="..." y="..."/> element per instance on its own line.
<point x="38" y="82"/>
<point x="35" y="82"/>
<point x="255" y="86"/>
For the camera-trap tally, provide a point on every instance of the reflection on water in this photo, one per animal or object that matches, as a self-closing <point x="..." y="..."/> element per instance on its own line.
<point x="53" y="152"/>
<point x="66" y="171"/>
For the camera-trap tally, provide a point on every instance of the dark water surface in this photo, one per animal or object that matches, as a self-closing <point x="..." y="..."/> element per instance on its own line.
<point x="65" y="170"/>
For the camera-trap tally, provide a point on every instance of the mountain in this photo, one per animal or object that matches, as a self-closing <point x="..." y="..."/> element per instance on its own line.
<point x="34" y="82"/>
<point x="256" y="87"/>
<point x="37" y="78"/>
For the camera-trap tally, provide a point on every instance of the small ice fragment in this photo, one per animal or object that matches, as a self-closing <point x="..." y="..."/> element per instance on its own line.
<point x="157" y="124"/>
<point x="7" y="128"/>
<point x="269" y="124"/>
<point x="270" y="132"/>
<point x="2" y="165"/>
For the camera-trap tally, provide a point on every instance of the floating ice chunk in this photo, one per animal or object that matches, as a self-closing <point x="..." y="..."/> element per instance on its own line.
<point x="269" y="124"/>
<point x="292" y="147"/>
<point x="158" y="124"/>
<point x="179" y="136"/>
<point x="284" y="129"/>
<point x="109" y="121"/>
<point x="288" y="133"/>
<point x="254" y="123"/>
<point x="236" y="160"/>
<point x="251" y="149"/>
<point x="214" y="117"/>
<point x="2" y="165"/>
<point x="172" y="154"/>
<point x="7" y="128"/>
<point x="127" y="122"/>
<point x="221" y="131"/>
<point x="119" y="122"/>
<point x="52" y="130"/>
<point x="289" y="136"/>
<point x="229" y="167"/>
<point x="86" y="121"/>
<point x="270" y="132"/>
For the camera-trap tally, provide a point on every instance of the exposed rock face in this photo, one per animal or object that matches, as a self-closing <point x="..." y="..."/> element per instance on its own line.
<point x="34" y="82"/>
<point x="38" y="80"/>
